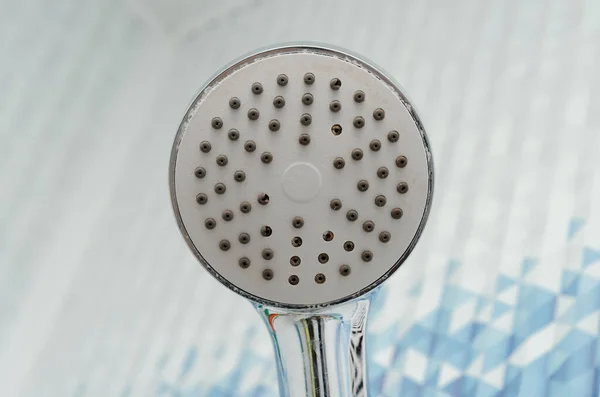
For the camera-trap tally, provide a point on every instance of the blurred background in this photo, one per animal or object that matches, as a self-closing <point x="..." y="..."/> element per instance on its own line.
<point x="99" y="295"/>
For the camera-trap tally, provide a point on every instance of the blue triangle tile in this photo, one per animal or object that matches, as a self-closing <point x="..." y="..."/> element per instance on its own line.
<point x="512" y="373"/>
<point x="126" y="391"/>
<point x="482" y="303"/>
<point x="511" y="388"/>
<point x="416" y="289"/>
<point x="574" y="341"/>
<point x="454" y="388"/>
<point x="503" y="282"/>
<point x="533" y="379"/>
<point x="499" y="309"/>
<point x="465" y="334"/>
<point x="574" y="226"/>
<point x="432" y="373"/>
<point x="454" y="296"/>
<point x="556" y="358"/>
<point x="485" y="390"/>
<point x="569" y="283"/>
<point x="589" y="256"/>
<point x="496" y="354"/>
<point x="469" y="387"/>
<point x="527" y="265"/>
<point x="411" y="388"/>
<point x="531" y="321"/>
<point x="461" y="357"/>
<point x="586" y="304"/>
<point x="578" y="362"/>
<point x="376" y="384"/>
<point x="580" y="385"/>
<point x="260" y="391"/>
<point x="452" y="266"/>
<point x="490" y="337"/>
<point x="189" y="361"/>
<point x="586" y="284"/>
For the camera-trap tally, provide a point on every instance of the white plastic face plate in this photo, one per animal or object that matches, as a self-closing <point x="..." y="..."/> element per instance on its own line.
<point x="263" y="254"/>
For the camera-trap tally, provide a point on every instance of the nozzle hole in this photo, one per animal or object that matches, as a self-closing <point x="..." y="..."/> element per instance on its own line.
<point x="396" y="213"/>
<point x="323" y="258"/>
<point x="266" y="157"/>
<point x="295" y="261"/>
<point x="224" y="245"/>
<point x="309" y="78"/>
<point x="282" y="80"/>
<point x="257" y="88"/>
<point x="250" y="146"/>
<point x="367" y="256"/>
<point x="328" y="235"/>
<point x="239" y="176"/>
<point x="268" y="254"/>
<point x="384" y="237"/>
<point x="379" y="114"/>
<point x="297" y="241"/>
<point x="205" y="146"/>
<point x="348" y="246"/>
<point x="382" y="172"/>
<point x="339" y="163"/>
<point x="220" y="188"/>
<point x="234" y="103"/>
<point x="233" y="134"/>
<point x="402" y="187"/>
<point x="200" y="172"/>
<point x="306" y="119"/>
<point x="380" y="200"/>
<point x="357" y="154"/>
<point x="245" y="207"/>
<point x="244" y="262"/>
<point x="320" y="278"/>
<point x="279" y="102"/>
<point x="210" y="223"/>
<point x="375" y="145"/>
<point x="244" y="238"/>
<point x="336" y="204"/>
<point x="293" y="279"/>
<point x="362" y="185"/>
<point x="266" y="231"/>
<point x="352" y="215"/>
<point x="359" y="96"/>
<point x="263" y="199"/>
<point x="307" y="99"/>
<point x="359" y="122"/>
<point x="267" y="274"/>
<point x="298" y="222"/>
<point x="401" y="161"/>
<point x="253" y="114"/>
<point x="274" y="125"/>
<point x="304" y="139"/>
<point x="336" y="129"/>
<point x="227" y="215"/>
<point x="393" y="136"/>
<point x="335" y="106"/>
<point x="217" y="123"/>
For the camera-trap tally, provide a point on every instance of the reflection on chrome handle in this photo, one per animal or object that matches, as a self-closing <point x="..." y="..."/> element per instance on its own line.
<point x="321" y="353"/>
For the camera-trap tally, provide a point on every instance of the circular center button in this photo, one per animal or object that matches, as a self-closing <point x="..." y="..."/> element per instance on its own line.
<point x="301" y="182"/>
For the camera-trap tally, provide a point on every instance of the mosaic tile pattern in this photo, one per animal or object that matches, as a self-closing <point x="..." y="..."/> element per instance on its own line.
<point x="99" y="296"/>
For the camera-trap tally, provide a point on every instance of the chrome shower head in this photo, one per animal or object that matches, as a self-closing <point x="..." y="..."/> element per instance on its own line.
<point x="301" y="176"/>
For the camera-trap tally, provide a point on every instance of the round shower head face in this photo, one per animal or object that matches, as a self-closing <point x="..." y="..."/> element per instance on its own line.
<point x="301" y="176"/>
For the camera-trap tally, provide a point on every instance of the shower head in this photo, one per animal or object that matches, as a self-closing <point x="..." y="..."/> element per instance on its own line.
<point x="301" y="177"/>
